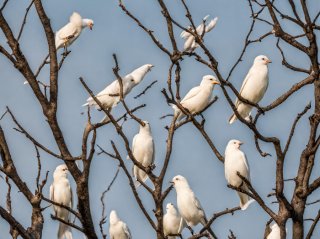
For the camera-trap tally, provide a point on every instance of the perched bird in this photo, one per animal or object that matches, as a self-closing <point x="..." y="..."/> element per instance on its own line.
<point x="110" y="96"/>
<point x="189" y="206"/>
<point x="143" y="151"/>
<point x="70" y="32"/>
<point x="253" y="87"/>
<point x="118" y="229"/>
<point x="198" y="98"/>
<point x="235" y="161"/>
<point x="275" y="232"/>
<point x="190" y="43"/>
<point x="171" y="222"/>
<point x="60" y="192"/>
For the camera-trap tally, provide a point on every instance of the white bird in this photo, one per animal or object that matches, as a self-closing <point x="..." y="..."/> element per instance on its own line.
<point x="70" y="32"/>
<point x="235" y="161"/>
<point x="143" y="151"/>
<point x="60" y="192"/>
<point x="110" y="96"/>
<point x="198" y="98"/>
<point x="189" y="206"/>
<point x="275" y="232"/>
<point x="190" y="43"/>
<point x="118" y="229"/>
<point x="171" y="222"/>
<point x="253" y="87"/>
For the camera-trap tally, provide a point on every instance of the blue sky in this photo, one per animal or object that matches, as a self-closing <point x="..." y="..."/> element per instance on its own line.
<point x="91" y="58"/>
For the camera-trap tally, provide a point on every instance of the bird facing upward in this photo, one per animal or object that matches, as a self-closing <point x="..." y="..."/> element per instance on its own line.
<point x="235" y="161"/>
<point x="253" y="87"/>
<point x="143" y="151"/>
<point x="60" y="192"/>
<point x="190" y="44"/>
<point x="189" y="206"/>
<point x="172" y="221"/>
<point x="117" y="228"/>
<point x="70" y="32"/>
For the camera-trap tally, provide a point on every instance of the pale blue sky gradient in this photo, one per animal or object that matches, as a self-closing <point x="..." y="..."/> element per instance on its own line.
<point x="91" y="58"/>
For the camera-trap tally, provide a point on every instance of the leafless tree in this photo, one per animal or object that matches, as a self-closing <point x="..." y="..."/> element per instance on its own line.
<point x="262" y="12"/>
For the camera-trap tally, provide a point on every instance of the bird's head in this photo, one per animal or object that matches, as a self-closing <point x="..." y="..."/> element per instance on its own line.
<point x="170" y="208"/>
<point x="138" y="74"/>
<point x="234" y="144"/>
<point x="209" y="80"/>
<point x="87" y="23"/>
<point x="146" y="126"/>
<point x="179" y="181"/>
<point x="262" y="60"/>
<point x="113" y="217"/>
<point x="61" y="171"/>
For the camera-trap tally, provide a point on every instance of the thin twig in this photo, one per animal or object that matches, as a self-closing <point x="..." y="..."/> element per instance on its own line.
<point x="145" y="90"/>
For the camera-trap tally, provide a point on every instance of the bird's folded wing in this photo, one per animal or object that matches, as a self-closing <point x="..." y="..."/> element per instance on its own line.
<point x="126" y="231"/>
<point x="67" y="31"/>
<point x="243" y="86"/>
<point x="211" y="24"/>
<point x="185" y="35"/>
<point x="193" y="92"/>
<point x="247" y="166"/>
<point x="71" y="201"/>
<point x="153" y="152"/>
<point x="51" y="193"/>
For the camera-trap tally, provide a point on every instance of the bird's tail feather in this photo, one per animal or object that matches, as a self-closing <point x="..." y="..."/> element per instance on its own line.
<point x="64" y="231"/>
<point x="141" y="175"/>
<point x="245" y="200"/>
<point x="177" y="113"/>
<point x="232" y="118"/>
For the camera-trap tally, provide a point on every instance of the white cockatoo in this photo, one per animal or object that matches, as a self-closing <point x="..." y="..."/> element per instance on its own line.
<point x="190" y="43"/>
<point x="118" y="229"/>
<point x="235" y="161"/>
<point x="171" y="222"/>
<point x="253" y="87"/>
<point x="275" y="232"/>
<point x="60" y="192"/>
<point x="198" y="98"/>
<point x="189" y="206"/>
<point x="143" y="151"/>
<point x="110" y="96"/>
<point x="70" y="32"/>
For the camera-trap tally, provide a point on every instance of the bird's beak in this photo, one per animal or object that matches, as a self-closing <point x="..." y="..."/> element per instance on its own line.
<point x="172" y="182"/>
<point x="268" y="61"/>
<point x="90" y="26"/>
<point x="240" y="143"/>
<point x="215" y="83"/>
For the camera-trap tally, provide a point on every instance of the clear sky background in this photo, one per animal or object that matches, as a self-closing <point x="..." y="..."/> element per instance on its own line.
<point x="91" y="58"/>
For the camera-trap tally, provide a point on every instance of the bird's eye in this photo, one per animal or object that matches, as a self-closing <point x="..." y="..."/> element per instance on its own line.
<point x="263" y="58"/>
<point x="132" y="80"/>
<point x="234" y="142"/>
<point x="177" y="178"/>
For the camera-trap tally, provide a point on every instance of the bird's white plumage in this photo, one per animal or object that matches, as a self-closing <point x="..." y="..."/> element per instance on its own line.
<point x="117" y="228"/>
<point x="70" y="32"/>
<point x="275" y="232"/>
<point x="253" y="87"/>
<point x="198" y="98"/>
<point x="189" y="206"/>
<point x="110" y="96"/>
<point x="143" y="151"/>
<point x="235" y="161"/>
<point x="172" y="221"/>
<point x="60" y="192"/>
<point x="190" y="43"/>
